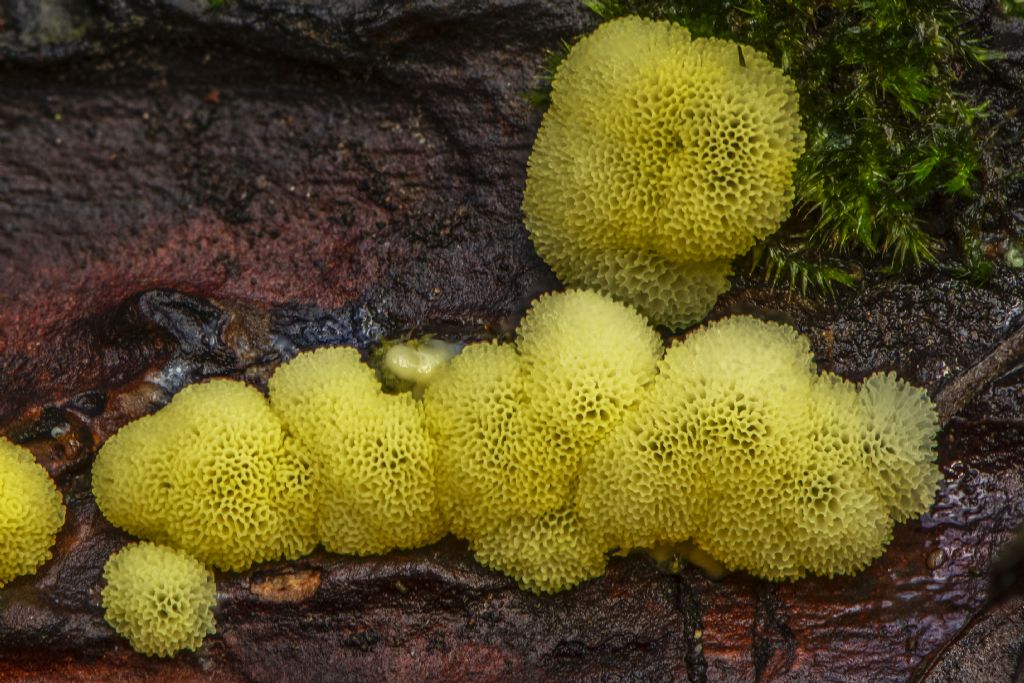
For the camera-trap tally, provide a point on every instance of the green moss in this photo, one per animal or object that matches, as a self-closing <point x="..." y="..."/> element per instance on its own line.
<point x="888" y="134"/>
<point x="1012" y="8"/>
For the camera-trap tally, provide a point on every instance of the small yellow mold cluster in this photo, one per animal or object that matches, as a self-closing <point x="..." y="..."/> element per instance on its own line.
<point x="660" y="159"/>
<point x="234" y="479"/>
<point x="375" y="460"/>
<point x="513" y="425"/>
<point x="31" y="512"/>
<point x="214" y="473"/>
<point x="161" y="599"/>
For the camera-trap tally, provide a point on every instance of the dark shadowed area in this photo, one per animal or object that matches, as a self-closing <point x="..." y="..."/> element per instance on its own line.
<point x="190" y="191"/>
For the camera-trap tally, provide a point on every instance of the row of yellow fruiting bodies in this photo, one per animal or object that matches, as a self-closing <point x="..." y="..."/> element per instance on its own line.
<point x="582" y="438"/>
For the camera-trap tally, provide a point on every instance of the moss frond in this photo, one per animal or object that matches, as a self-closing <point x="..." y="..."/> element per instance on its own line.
<point x="540" y="94"/>
<point x="781" y="264"/>
<point x="974" y="264"/>
<point x="1012" y="8"/>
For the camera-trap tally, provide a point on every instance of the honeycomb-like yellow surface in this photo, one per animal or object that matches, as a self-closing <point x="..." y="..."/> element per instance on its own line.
<point x="743" y="448"/>
<point x="669" y="293"/>
<point x="211" y="473"/>
<point x="779" y="507"/>
<point x="643" y="484"/>
<point x="544" y="554"/>
<point x="587" y="361"/>
<point x="297" y="489"/>
<point x="900" y="444"/>
<point x="512" y="427"/>
<point x="161" y="599"/>
<point x="662" y="150"/>
<point x="489" y="465"/>
<point x="307" y="389"/>
<point x="376" y="461"/>
<point x="131" y="476"/>
<point x="837" y="487"/>
<point x="31" y="512"/>
<point x="581" y="438"/>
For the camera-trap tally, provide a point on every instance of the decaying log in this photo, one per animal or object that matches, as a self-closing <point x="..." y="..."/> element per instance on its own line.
<point x="189" y="191"/>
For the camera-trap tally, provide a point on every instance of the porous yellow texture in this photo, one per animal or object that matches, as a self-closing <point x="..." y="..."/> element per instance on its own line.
<point x="660" y="159"/>
<point x="31" y="512"/>
<point x="545" y="554"/>
<point x="838" y="486"/>
<point x="161" y="599"/>
<point x="713" y="397"/>
<point x="587" y="361"/>
<point x="487" y="463"/>
<point x="513" y="423"/>
<point x="670" y="293"/>
<point x="900" y="445"/>
<point x="742" y="447"/>
<point x="580" y="438"/>
<point x="375" y="459"/>
<point x="131" y="476"/>
<point x="213" y="473"/>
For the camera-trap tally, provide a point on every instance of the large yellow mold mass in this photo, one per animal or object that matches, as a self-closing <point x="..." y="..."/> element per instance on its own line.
<point x="161" y="599"/>
<point x="513" y="423"/>
<point x="769" y="467"/>
<point x="375" y="459"/>
<point x="580" y="438"/>
<point x="31" y="512"/>
<point x="212" y="473"/>
<point x="659" y="153"/>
